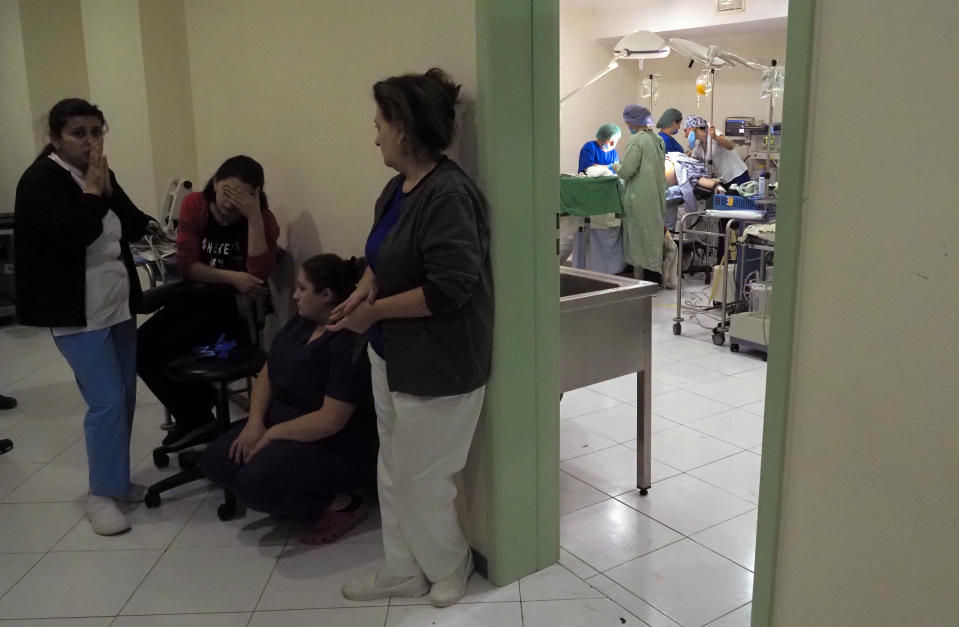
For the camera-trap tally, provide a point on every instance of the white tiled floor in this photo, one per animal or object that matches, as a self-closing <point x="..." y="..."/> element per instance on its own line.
<point x="682" y="555"/>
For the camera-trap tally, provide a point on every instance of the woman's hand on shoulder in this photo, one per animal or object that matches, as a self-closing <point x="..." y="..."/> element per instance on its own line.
<point x="359" y="320"/>
<point x="365" y="292"/>
<point x="245" y="443"/>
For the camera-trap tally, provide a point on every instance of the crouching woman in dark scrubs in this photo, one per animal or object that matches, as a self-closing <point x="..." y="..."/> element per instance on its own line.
<point x="310" y="440"/>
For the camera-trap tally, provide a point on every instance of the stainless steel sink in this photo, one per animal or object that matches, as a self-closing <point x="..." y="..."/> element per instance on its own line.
<point x="604" y="323"/>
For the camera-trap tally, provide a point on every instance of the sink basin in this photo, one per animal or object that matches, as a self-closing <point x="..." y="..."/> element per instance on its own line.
<point x="605" y="329"/>
<point x="604" y="323"/>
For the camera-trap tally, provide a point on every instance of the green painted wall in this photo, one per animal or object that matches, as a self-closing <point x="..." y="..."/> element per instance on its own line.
<point x="516" y="513"/>
<point x="799" y="41"/>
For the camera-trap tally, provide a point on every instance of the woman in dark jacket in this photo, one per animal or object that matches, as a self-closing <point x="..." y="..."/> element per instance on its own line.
<point x="75" y="275"/>
<point x="426" y="303"/>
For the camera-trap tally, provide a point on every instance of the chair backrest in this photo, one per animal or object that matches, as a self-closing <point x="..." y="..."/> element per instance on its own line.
<point x="255" y="311"/>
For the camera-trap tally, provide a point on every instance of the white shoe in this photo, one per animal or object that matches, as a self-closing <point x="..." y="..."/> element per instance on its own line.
<point x="451" y="589"/>
<point x="105" y="516"/>
<point x="134" y="494"/>
<point x="365" y="588"/>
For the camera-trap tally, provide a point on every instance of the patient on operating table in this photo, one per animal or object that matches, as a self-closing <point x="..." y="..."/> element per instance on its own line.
<point x="694" y="175"/>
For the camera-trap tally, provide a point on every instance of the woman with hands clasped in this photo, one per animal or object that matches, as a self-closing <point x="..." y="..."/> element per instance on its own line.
<point x="426" y="305"/>
<point x="227" y="235"/>
<point x="75" y="275"/>
<point x="310" y="440"/>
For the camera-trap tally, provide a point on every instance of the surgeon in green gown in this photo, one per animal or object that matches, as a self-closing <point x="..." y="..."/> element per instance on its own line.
<point x="642" y="169"/>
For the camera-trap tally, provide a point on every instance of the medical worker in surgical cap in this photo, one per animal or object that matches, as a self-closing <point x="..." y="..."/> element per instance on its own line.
<point x="602" y="151"/>
<point x="643" y="170"/>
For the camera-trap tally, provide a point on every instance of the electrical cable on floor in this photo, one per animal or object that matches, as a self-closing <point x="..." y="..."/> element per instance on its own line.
<point x="698" y="304"/>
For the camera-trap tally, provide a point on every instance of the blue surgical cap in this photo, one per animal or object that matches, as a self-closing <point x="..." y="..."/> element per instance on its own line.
<point x="694" y="121"/>
<point x="608" y="131"/>
<point x="637" y="115"/>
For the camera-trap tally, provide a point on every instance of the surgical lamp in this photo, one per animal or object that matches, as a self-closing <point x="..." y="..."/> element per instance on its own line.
<point x="640" y="45"/>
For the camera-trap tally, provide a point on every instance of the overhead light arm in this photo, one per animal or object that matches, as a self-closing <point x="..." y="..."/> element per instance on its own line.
<point x="609" y="68"/>
<point x="640" y="45"/>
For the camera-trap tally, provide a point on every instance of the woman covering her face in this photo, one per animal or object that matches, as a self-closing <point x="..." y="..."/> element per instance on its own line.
<point x="75" y="275"/>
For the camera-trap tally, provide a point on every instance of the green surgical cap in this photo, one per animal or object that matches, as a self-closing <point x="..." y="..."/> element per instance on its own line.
<point x="668" y="117"/>
<point x="608" y="131"/>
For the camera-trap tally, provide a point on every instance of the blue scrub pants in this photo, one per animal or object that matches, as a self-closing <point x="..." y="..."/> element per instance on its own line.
<point x="104" y="365"/>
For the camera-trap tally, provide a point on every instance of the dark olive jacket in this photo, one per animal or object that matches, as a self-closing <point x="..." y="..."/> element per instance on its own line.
<point x="440" y="242"/>
<point x="54" y="222"/>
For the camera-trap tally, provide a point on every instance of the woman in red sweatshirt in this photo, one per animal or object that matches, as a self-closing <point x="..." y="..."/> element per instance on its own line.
<point x="227" y="235"/>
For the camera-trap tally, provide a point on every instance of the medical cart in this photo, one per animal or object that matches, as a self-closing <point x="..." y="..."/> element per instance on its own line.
<point x="737" y="210"/>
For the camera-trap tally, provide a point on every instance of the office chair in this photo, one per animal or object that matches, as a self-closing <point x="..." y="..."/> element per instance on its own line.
<point x="244" y="362"/>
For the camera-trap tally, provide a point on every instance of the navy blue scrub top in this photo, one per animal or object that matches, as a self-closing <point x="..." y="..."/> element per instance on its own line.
<point x="303" y="373"/>
<point x="591" y="154"/>
<point x="377" y="236"/>
<point x="671" y="144"/>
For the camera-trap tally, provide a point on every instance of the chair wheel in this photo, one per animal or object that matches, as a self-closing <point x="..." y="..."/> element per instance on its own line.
<point x="151" y="500"/>
<point x="643" y="491"/>
<point x="160" y="459"/>
<point x="719" y="338"/>
<point x="226" y="511"/>
<point x="677" y="328"/>
<point x="734" y="348"/>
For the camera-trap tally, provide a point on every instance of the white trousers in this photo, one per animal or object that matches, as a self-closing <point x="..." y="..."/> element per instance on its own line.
<point x="424" y="442"/>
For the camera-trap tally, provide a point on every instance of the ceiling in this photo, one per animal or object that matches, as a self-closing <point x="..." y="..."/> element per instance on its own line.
<point x="735" y="29"/>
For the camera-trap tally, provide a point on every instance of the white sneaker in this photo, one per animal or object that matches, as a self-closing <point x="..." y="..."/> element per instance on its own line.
<point x="134" y="494"/>
<point x="365" y="588"/>
<point x="105" y="516"/>
<point x="451" y="589"/>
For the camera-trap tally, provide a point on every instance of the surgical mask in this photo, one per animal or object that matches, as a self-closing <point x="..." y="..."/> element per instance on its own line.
<point x="692" y="140"/>
<point x="633" y="131"/>
<point x="606" y="147"/>
<point x="675" y="130"/>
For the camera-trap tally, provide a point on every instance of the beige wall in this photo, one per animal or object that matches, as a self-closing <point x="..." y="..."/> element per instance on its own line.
<point x="166" y="68"/>
<point x="114" y="53"/>
<point x="18" y="147"/>
<point x="291" y="86"/>
<point x="56" y="65"/>
<point x="869" y="520"/>
<point x="582" y="56"/>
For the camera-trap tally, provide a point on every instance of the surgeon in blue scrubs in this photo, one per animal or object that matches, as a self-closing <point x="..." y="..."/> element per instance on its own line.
<point x="602" y="151"/>
<point x="668" y="125"/>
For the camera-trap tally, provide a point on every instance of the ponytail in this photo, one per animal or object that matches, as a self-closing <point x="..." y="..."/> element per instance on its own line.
<point x="329" y="271"/>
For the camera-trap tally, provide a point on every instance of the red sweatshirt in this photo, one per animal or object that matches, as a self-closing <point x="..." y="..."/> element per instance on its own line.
<point x="201" y="239"/>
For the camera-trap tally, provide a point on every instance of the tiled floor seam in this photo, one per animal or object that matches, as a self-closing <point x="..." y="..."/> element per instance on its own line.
<point x="144" y="578"/>
<point x="673" y="528"/>
<point x="726" y="614"/>
<point x="266" y="584"/>
<point x="644" y="600"/>
<point x="519" y="593"/>
<point x="45" y="553"/>
<point x="728" y="559"/>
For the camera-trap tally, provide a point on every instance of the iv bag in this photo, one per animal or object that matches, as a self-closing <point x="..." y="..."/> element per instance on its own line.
<point x="704" y="86"/>
<point x="773" y="81"/>
<point x="649" y="89"/>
